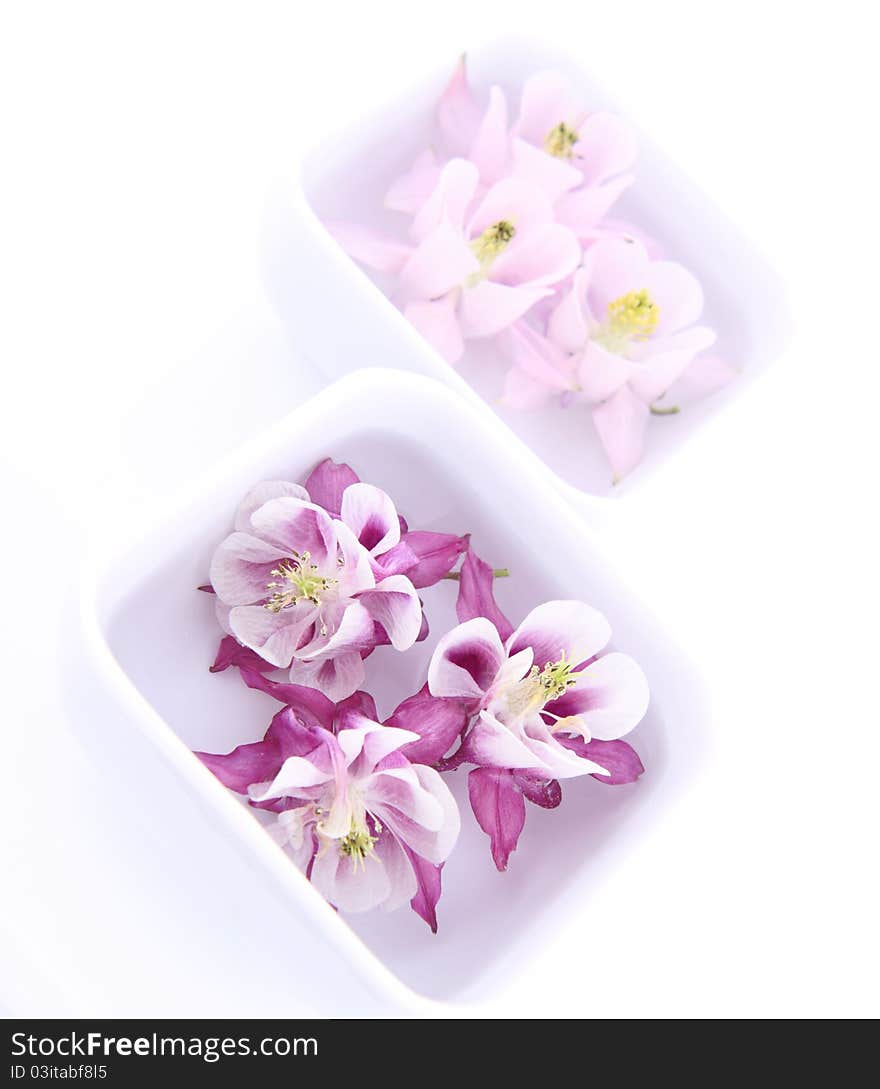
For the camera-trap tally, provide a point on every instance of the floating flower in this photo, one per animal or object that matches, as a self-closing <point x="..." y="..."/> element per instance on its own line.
<point x="619" y="339"/>
<point x="315" y="577"/>
<point x="480" y="264"/>
<point x="368" y="827"/>
<point x="547" y="704"/>
<point x="297" y="587"/>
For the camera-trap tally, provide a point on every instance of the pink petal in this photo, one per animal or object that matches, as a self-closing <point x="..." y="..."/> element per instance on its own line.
<point x="449" y="200"/>
<point x="351" y="631"/>
<point x="310" y="705"/>
<point x="543" y="255"/>
<point x="606" y="146"/>
<point x="458" y="114"/>
<point x="297" y="527"/>
<point x="620" y="760"/>
<point x="418" y="807"/>
<point x="262" y="493"/>
<point x="492" y="744"/>
<point x="611" y="696"/>
<point x="557" y="629"/>
<point x="547" y="101"/>
<point x="435" y="553"/>
<point x="402" y="874"/>
<point x="466" y="660"/>
<point x="491" y="147"/>
<point x="568" y="326"/>
<point x="601" y="373"/>
<point x="371" y="515"/>
<point x="369" y="247"/>
<point x="327" y="481"/>
<point x="499" y="808"/>
<point x="621" y="423"/>
<point x="475" y="595"/>
<point x="540" y="370"/>
<point x="274" y="636"/>
<point x="676" y="292"/>
<point x="410" y="191"/>
<point x="704" y="376"/>
<point x="667" y="360"/>
<point x="395" y="605"/>
<point x="489" y="307"/>
<point x="438" y="323"/>
<point x="249" y="764"/>
<point x="232" y="653"/>
<point x="241" y="568"/>
<point x="547" y="793"/>
<point x="399" y="560"/>
<point x="582" y="210"/>
<point x="336" y="677"/>
<point x="351" y="887"/>
<point x="428" y="882"/>
<point x="514" y="200"/>
<point x="439" y="263"/>
<point x="548" y="173"/>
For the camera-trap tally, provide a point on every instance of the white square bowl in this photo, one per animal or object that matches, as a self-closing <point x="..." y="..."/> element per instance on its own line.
<point x="340" y="318"/>
<point x="151" y="638"/>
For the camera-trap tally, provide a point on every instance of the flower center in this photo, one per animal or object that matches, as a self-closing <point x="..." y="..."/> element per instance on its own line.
<point x="560" y="141"/>
<point x="296" y="579"/>
<point x="633" y="316"/>
<point x="493" y="241"/>
<point x="541" y="686"/>
<point x="358" y="844"/>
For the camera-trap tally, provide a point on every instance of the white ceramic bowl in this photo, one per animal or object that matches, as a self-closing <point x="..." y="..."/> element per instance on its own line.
<point x="449" y="467"/>
<point x="339" y="316"/>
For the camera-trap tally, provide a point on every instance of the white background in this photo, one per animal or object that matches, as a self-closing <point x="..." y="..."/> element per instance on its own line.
<point x="139" y="141"/>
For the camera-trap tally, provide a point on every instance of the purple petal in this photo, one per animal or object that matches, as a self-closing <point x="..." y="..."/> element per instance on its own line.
<point x="259" y="761"/>
<point x="436" y="555"/>
<point x="399" y="560"/>
<point x="232" y="653"/>
<point x="359" y="703"/>
<point x="619" y="757"/>
<point x="327" y="481"/>
<point x="424" y="903"/>
<point x="312" y="705"/>
<point x="546" y="793"/>
<point x="500" y="810"/>
<point x="439" y="722"/>
<point x="475" y="597"/>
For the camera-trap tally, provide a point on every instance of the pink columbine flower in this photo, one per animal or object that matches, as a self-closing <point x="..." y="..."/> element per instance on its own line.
<point x="480" y="263"/>
<point x="579" y="160"/>
<point x="368" y="827"/>
<point x="619" y="339"/>
<point x="547" y="703"/>
<point x="478" y="260"/>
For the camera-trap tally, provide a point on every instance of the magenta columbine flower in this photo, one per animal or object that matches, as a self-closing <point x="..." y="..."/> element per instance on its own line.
<point x="367" y="826"/>
<point x="314" y="578"/>
<point x="545" y="703"/>
<point x="546" y="681"/>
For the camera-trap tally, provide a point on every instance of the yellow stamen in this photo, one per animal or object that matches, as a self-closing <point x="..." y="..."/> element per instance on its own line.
<point x="358" y="844"/>
<point x="560" y="141"/>
<point x="296" y="580"/>
<point x="493" y="241"/>
<point x="632" y="317"/>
